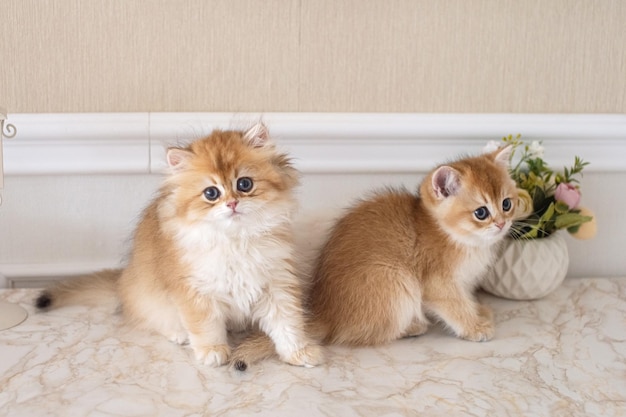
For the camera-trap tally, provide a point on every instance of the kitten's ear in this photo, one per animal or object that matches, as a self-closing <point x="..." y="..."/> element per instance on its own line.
<point x="177" y="158"/>
<point x="502" y="156"/>
<point x="445" y="182"/>
<point x="258" y="135"/>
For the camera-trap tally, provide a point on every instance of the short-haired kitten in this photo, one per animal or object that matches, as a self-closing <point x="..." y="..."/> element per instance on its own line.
<point x="396" y="260"/>
<point x="213" y="252"/>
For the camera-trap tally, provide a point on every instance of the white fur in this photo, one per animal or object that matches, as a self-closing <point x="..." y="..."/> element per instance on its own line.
<point x="471" y="269"/>
<point x="235" y="269"/>
<point x="236" y="260"/>
<point x="409" y="307"/>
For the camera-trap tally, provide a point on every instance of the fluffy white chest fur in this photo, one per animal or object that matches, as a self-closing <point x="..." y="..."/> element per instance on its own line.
<point x="474" y="265"/>
<point x="234" y="268"/>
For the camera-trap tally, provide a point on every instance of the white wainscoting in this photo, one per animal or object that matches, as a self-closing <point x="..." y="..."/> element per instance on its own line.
<point x="75" y="183"/>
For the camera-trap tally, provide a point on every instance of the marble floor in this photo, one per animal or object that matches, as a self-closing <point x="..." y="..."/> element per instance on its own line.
<point x="564" y="355"/>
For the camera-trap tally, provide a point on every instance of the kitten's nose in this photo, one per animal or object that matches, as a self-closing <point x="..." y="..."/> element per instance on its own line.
<point x="500" y="225"/>
<point x="232" y="204"/>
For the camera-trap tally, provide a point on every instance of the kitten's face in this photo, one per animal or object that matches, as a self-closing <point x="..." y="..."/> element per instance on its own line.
<point x="475" y="199"/>
<point x="232" y="180"/>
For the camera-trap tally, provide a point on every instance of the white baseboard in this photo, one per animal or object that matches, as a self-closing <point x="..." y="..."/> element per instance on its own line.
<point x="135" y="143"/>
<point x="39" y="275"/>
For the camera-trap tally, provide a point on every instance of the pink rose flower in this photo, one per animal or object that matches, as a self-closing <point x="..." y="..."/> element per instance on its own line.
<point x="568" y="194"/>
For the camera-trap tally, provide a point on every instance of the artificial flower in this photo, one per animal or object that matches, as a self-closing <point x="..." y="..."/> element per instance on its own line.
<point x="524" y="206"/>
<point x="567" y="193"/>
<point x="491" y="146"/>
<point x="535" y="150"/>
<point x="548" y="199"/>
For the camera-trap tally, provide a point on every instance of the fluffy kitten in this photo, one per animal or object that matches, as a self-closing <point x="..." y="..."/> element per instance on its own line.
<point x="397" y="259"/>
<point x="213" y="252"/>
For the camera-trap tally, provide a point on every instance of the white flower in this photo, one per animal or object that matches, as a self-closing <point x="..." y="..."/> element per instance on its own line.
<point x="491" y="146"/>
<point x="535" y="150"/>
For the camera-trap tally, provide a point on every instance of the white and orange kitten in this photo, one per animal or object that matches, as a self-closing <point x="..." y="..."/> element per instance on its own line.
<point x="212" y="253"/>
<point x="397" y="260"/>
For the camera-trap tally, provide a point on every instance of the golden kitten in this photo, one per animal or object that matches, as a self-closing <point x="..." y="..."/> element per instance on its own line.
<point x="213" y="252"/>
<point x="397" y="259"/>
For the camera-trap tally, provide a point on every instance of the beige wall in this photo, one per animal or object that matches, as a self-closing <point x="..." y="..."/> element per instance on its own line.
<point x="313" y="55"/>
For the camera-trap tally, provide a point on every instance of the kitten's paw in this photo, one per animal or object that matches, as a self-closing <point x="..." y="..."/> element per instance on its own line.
<point x="482" y="331"/>
<point x="309" y="356"/>
<point x="212" y="355"/>
<point x="416" y="328"/>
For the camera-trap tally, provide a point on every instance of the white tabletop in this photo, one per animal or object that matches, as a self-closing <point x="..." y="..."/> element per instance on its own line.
<point x="564" y="355"/>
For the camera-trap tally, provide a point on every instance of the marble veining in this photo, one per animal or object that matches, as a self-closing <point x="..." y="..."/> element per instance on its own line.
<point x="564" y="355"/>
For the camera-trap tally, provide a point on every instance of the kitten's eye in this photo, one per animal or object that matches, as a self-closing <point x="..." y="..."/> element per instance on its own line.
<point x="481" y="213"/>
<point x="506" y="204"/>
<point x="211" y="193"/>
<point x="244" y="184"/>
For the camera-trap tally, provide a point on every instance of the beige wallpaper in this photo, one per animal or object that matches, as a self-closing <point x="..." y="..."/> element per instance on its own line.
<point x="313" y="55"/>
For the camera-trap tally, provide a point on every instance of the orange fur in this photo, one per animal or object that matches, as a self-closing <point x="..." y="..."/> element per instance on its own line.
<point x="396" y="260"/>
<point x="214" y="252"/>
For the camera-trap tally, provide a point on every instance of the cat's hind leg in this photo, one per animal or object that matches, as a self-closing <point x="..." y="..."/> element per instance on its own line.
<point x="182" y="319"/>
<point x="412" y="299"/>
<point x="172" y="328"/>
<point x="156" y="313"/>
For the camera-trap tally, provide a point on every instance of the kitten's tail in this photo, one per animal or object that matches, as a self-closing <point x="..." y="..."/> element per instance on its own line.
<point x="258" y="346"/>
<point x="99" y="288"/>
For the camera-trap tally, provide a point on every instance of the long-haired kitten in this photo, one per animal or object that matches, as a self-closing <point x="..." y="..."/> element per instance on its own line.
<point x="213" y="252"/>
<point x="397" y="260"/>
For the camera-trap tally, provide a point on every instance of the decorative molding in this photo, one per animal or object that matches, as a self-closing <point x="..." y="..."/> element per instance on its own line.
<point x="81" y="143"/>
<point x="135" y="143"/>
<point x="6" y="131"/>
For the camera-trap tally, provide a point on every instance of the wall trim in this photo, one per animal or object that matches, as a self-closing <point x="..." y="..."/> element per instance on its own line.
<point x="40" y="274"/>
<point x="135" y="143"/>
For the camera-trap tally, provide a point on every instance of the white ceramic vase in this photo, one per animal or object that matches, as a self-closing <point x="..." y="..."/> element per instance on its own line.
<point x="528" y="269"/>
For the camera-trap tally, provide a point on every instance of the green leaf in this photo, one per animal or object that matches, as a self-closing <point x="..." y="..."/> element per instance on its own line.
<point x="570" y="220"/>
<point x="561" y="207"/>
<point x="545" y="225"/>
<point x="531" y="234"/>
<point x="573" y="229"/>
<point x="539" y="197"/>
<point x="548" y="214"/>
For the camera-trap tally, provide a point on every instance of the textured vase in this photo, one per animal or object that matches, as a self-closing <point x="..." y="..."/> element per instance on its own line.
<point x="528" y="269"/>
